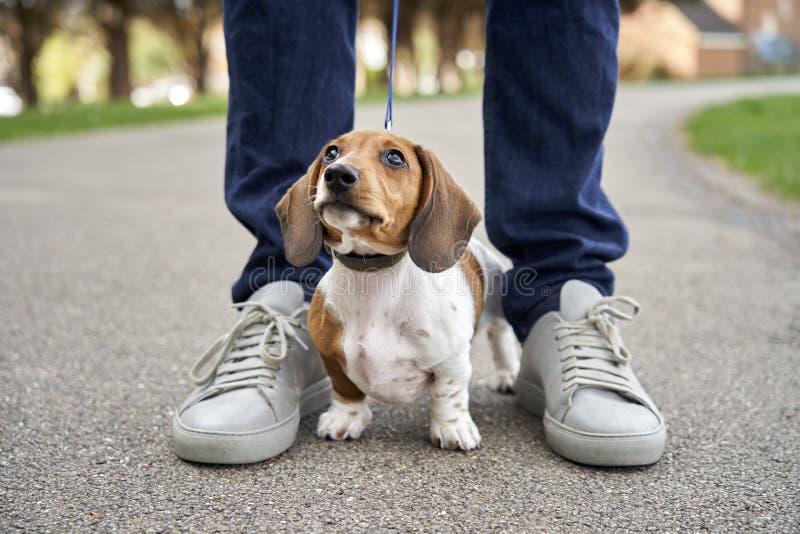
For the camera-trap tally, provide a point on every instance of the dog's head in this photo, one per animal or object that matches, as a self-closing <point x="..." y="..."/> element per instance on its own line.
<point x="372" y="192"/>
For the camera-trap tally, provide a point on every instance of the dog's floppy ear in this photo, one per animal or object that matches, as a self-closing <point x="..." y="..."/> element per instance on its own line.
<point x="445" y="218"/>
<point x="300" y="224"/>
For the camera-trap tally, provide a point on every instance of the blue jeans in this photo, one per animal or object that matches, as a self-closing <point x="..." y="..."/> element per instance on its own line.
<point x="550" y="80"/>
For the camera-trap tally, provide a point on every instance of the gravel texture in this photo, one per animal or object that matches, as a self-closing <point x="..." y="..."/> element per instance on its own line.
<point x="116" y="257"/>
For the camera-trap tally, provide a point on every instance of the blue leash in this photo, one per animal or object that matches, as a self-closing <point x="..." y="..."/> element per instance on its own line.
<point x="387" y="122"/>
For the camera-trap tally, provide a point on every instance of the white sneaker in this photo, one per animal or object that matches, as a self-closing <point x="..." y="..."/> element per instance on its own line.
<point x="575" y="373"/>
<point x="254" y="384"/>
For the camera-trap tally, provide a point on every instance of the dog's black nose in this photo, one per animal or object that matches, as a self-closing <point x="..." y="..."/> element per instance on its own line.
<point x="340" y="178"/>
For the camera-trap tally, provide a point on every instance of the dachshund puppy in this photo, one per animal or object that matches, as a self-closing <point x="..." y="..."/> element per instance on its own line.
<point x="408" y="288"/>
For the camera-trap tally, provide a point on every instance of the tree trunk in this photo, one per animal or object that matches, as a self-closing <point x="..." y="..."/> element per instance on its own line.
<point x="28" y="91"/>
<point x="450" y="20"/>
<point x="189" y="28"/>
<point x="405" y="24"/>
<point x="32" y="28"/>
<point x="200" y="55"/>
<point x="120" y="83"/>
<point x="115" y="25"/>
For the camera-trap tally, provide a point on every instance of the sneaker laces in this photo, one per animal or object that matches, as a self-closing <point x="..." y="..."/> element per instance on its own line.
<point x="250" y="354"/>
<point x="592" y="351"/>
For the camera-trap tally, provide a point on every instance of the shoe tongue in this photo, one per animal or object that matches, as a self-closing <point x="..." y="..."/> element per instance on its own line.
<point x="577" y="298"/>
<point x="283" y="296"/>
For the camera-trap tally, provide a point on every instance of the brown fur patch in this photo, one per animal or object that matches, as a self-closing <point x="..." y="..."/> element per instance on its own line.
<point x="472" y="268"/>
<point x="326" y="331"/>
<point x="446" y="218"/>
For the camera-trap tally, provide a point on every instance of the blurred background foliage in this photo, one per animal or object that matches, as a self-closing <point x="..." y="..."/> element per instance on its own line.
<point x="69" y="51"/>
<point x="55" y="53"/>
<point x="70" y="65"/>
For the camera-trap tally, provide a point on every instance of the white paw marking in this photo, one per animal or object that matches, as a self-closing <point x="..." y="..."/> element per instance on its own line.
<point x="344" y="420"/>
<point x="503" y="381"/>
<point x="506" y="356"/>
<point x="457" y="433"/>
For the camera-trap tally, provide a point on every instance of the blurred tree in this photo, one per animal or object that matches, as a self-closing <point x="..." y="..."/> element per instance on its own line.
<point x="28" y="22"/>
<point x="382" y="10"/>
<point x="449" y="16"/>
<point x="452" y="17"/>
<point x="154" y="52"/>
<point x="187" y="22"/>
<point x="113" y="17"/>
<point x="405" y="19"/>
<point x="449" y="20"/>
<point x="72" y="64"/>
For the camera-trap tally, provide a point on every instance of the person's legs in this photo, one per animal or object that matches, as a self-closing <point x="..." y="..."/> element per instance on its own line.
<point x="292" y="84"/>
<point x="292" y="72"/>
<point x="551" y="74"/>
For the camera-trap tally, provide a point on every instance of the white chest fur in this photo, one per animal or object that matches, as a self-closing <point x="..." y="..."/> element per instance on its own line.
<point x="398" y="323"/>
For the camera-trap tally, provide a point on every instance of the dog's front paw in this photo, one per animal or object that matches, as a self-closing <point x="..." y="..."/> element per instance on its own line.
<point x="503" y="381"/>
<point x="457" y="433"/>
<point x="344" y="420"/>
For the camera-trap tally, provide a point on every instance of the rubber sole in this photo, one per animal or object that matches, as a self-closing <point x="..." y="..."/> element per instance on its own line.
<point x="245" y="448"/>
<point x="587" y="447"/>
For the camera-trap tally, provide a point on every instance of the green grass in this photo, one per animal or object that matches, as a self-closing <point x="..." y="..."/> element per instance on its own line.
<point x="75" y="118"/>
<point x="758" y="136"/>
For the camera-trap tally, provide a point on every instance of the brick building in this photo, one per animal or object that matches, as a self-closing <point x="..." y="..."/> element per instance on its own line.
<point x="695" y="38"/>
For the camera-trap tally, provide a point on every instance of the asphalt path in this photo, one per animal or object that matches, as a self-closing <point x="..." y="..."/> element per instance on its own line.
<point x="116" y="258"/>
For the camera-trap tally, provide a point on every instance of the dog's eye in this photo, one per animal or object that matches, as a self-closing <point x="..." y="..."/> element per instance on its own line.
<point x="331" y="153"/>
<point x="394" y="158"/>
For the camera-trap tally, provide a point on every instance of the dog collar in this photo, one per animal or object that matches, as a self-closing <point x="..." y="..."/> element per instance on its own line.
<point x="359" y="262"/>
